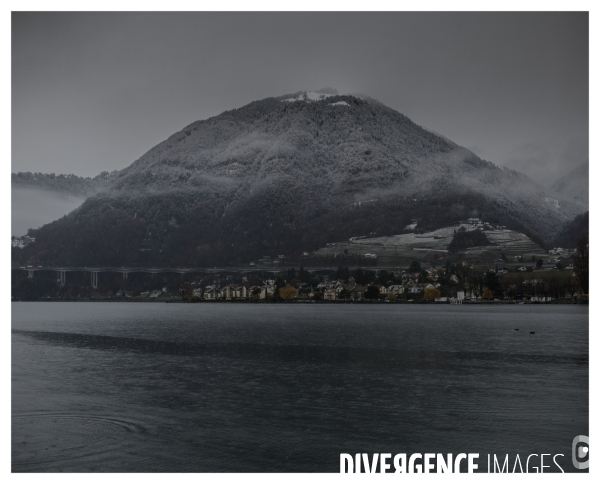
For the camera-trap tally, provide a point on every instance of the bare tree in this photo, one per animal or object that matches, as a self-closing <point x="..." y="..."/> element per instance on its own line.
<point x="476" y="282"/>
<point x="581" y="264"/>
<point x="554" y="286"/>
<point x="570" y="285"/>
<point x="185" y="291"/>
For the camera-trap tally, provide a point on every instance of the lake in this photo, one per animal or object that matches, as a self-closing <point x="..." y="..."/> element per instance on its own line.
<point x="150" y="387"/>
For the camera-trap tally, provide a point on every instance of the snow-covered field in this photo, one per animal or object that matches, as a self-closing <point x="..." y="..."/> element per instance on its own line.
<point x="424" y="246"/>
<point x="510" y="240"/>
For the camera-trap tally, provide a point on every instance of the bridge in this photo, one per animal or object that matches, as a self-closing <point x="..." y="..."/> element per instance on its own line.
<point x="61" y="272"/>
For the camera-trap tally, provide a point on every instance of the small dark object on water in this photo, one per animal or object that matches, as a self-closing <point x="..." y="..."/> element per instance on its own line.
<point x="532" y="332"/>
<point x="516" y="329"/>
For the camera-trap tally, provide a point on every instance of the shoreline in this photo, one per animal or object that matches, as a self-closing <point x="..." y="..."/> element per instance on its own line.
<point x="437" y="303"/>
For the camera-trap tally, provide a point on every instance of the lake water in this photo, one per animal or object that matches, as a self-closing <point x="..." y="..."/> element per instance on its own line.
<point x="118" y="387"/>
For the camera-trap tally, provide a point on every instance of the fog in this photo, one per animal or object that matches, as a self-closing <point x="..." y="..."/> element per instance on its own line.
<point x="547" y="162"/>
<point x="33" y="208"/>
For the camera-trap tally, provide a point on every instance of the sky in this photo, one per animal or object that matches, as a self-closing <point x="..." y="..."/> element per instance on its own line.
<point x="95" y="91"/>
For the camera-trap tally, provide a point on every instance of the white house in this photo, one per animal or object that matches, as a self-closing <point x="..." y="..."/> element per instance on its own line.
<point x="395" y="289"/>
<point x="210" y="293"/>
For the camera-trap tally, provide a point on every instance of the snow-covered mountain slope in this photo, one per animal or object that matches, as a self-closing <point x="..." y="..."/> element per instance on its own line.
<point x="283" y="176"/>
<point x="574" y="186"/>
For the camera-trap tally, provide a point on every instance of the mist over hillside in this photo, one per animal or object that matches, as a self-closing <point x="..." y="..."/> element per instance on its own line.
<point x="290" y="174"/>
<point x="31" y="208"/>
<point x="40" y="198"/>
<point x="572" y="231"/>
<point x="574" y="185"/>
<point x="68" y="184"/>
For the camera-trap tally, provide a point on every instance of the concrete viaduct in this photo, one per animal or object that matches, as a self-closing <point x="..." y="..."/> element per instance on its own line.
<point x="61" y="272"/>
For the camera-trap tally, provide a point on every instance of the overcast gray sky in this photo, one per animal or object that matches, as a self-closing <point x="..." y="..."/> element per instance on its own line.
<point x="94" y="91"/>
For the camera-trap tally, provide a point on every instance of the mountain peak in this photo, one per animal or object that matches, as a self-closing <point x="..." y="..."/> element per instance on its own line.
<point x="317" y="95"/>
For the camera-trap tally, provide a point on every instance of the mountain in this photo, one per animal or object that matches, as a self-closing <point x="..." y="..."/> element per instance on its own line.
<point x="63" y="184"/>
<point x="286" y="175"/>
<point x="574" y="185"/>
<point x="572" y="231"/>
<point x="38" y="198"/>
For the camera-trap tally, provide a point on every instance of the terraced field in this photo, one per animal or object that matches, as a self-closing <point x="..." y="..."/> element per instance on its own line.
<point x="511" y="241"/>
<point x="402" y="248"/>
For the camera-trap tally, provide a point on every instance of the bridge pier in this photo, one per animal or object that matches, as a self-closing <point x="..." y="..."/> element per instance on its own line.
<point x="62" y="277"/>
<point x="94" y="280"/>
<point x="29" y="274"/>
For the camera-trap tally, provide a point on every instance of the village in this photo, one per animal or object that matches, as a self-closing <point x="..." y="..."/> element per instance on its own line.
<point x="452" y="283"/>
<point x="493" y="265"/>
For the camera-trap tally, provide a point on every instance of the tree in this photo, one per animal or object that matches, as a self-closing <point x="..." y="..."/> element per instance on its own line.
<point x="386" y="278"/>
<point x="476" y="282"/>
<point x="287" y="292"/>
<point x="415" y="266"/>
<point x="363" y="277"/>
<point x="291" y="274"/>
<point x="487" y="293"/>
<point x="581" y="264"/>
<point x="256" y="292"/>
<point x="463" y="271"/>
<point x="304" y="275"/>
<point x="492" y="282"/>
<point x="185" y="291"/>
<point x="372" y="292"/>
<point x="463" y="240"/>
<point x="539" y="263"/>
<point x="509" y="289"/>
<point x="431" y="293"/>
<point x="343" y="273"/>
<point x="554" y="286"/>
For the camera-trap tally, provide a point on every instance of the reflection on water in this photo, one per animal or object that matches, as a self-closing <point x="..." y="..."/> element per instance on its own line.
<point x="241" y="387"/>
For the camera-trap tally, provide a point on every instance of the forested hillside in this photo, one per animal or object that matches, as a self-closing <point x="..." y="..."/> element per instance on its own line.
<point x="286" y="175"/>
